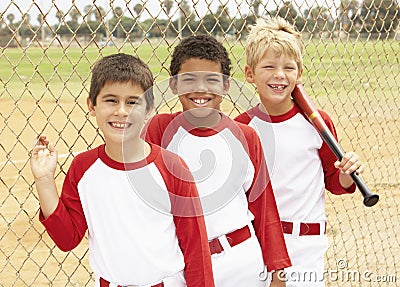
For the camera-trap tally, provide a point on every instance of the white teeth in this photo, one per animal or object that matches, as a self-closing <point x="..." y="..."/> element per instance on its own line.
<point x="120" y="125"/>
<point x="200" y="101"/>
<point x="276" y="87"/>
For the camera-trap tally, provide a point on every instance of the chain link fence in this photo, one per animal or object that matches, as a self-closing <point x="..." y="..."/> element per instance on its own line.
<point x="351" y="70"/>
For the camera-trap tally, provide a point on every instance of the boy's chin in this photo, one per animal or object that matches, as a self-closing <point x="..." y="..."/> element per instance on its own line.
<point x="201" y="112"/>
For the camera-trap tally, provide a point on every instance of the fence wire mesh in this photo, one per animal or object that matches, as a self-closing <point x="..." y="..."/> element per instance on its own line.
<point x="351" y="70"/>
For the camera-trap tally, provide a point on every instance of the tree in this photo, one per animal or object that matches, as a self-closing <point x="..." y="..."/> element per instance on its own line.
<point x="99" y="13"/>
<point x="138" y="8"/>
<point x="25" y="26"/>
<point x="380" y="17"/>
<point x="184" y="16"/>
<point x="256" y="7"/>
<point x="287" y="11"/>
<point x="319" y="20"/>
<point x="60" y="17"/>
<point x="348" y="15"/>
<point x="73" y="24"/>
<point x="167" y="4"/>
<point x="118" y="12"/>
<point x="74" y="14"/>
<point x="40" y="19"/>
<point x="223" y="19"/>
<point x="11" y="18"/>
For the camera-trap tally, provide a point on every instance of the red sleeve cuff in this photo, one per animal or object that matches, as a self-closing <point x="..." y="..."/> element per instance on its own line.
<point x="52" y="217"/>
<point x="338" y="189"/>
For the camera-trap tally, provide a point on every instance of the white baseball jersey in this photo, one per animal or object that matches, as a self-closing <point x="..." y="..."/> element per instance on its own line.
<point x="228" y="165"/>
<point x="139" y="229"/>
<point x="301" y="165"/>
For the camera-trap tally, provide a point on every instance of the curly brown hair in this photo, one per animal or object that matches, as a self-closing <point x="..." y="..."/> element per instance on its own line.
<point x="200" y="47"/>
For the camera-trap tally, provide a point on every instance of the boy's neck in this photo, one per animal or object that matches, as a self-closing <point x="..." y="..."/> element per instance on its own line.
<point x="132" y="151"/>
<point x="276" y="110"/>
<point x="210" y="121"/>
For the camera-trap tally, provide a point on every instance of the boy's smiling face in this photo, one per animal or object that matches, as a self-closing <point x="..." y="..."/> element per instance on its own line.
<point x="120" y="112"/>
<point x="200" y="86"/>
<point x="275" y="77"/>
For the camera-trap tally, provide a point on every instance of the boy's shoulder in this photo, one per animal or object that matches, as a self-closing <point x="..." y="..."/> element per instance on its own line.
<point x="89" y="155"/>
<point x="246" y="117"/>
<point x="163" y="118"/>
<point x="84" y="160"/>
<point x="170" y="162"/>
<point x="243" y="131"/>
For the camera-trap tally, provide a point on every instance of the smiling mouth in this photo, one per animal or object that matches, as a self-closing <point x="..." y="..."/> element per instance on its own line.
<point x="200" y="101"/>
<point x="278" y="87"/>
<point x="120" y="125"/>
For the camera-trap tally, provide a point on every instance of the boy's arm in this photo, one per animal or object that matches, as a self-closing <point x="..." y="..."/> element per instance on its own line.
<point x="66" y="228"/>
<point x="262" y="204"/>
<point x="191" y="229"/>
<point x="193" y="241"/>
<point x="43" y="164"/>
<point x="335" y="181"/>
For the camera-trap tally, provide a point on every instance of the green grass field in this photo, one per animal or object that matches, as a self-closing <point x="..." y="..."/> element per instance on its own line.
<point x="358" y="82"/>
<point x="331" y="68"/>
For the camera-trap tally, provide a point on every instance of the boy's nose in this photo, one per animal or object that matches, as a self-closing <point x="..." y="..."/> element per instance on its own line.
<point x="122" y="110"/>
<point x="201" y="86"/>
<point x="279" y="74"/>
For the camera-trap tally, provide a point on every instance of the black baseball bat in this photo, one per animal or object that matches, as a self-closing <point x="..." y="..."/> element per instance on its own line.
<point x="307" y="106"/>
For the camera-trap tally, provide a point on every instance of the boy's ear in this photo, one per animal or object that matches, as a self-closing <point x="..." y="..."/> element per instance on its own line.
<point x="248" y="73"/>
<point x="91" y="108"/>
<point x="227" y="85"/>
<point x="298" y="81"/>
<point x="173" y="84"/>
<point x="149" y="113"/>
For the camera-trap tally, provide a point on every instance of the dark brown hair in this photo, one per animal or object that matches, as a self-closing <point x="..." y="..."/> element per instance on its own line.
<point x="121" y="68"/>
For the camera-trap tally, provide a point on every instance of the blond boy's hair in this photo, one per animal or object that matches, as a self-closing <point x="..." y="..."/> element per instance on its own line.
<point x="274" y="33"/>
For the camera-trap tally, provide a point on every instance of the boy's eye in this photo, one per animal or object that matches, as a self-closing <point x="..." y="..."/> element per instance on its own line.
<point x="110" y="100"/>
<point x="134" y="101"/>
<point x="188" y="80"/>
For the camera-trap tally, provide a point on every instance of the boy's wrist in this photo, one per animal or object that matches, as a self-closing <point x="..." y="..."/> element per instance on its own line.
<point x="345" y="180"/>
<point x="44" y="179"/>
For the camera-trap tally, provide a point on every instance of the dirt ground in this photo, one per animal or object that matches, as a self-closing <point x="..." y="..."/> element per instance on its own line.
<point x="362" y="239"/>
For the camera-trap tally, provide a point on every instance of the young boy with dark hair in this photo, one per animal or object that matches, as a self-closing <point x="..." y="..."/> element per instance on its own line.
<point x="227" y="163"/>
<point x="137" y="201"/>
<point x="301" y="164"/>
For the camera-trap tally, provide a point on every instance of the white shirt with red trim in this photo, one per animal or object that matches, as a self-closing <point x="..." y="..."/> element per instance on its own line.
<point x="299" y="162"/>
<point x="139" y="231"/>
<point x="228" y="166"/>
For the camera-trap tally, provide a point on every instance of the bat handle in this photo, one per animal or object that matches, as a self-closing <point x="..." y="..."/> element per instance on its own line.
<point x="370" y="199"/>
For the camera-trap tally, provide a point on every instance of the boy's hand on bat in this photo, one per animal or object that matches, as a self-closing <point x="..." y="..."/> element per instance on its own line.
<point x="350" y="162"/>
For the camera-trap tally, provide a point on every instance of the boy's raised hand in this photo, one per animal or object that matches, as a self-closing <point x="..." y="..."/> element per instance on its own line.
<point x="43" y="159"/>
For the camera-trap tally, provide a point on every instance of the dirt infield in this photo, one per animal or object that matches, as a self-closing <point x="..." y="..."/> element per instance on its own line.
<point x="361" y="239"/>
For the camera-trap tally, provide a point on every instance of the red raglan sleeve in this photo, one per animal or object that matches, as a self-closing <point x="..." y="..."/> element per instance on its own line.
<point x="160" y="129"/>
<point x="67" y="224"/>
<point x="328" y="158"/>
<point x="262" y="204"/>
<point x="189" y="222"/>
<point x="243" y="118"/>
